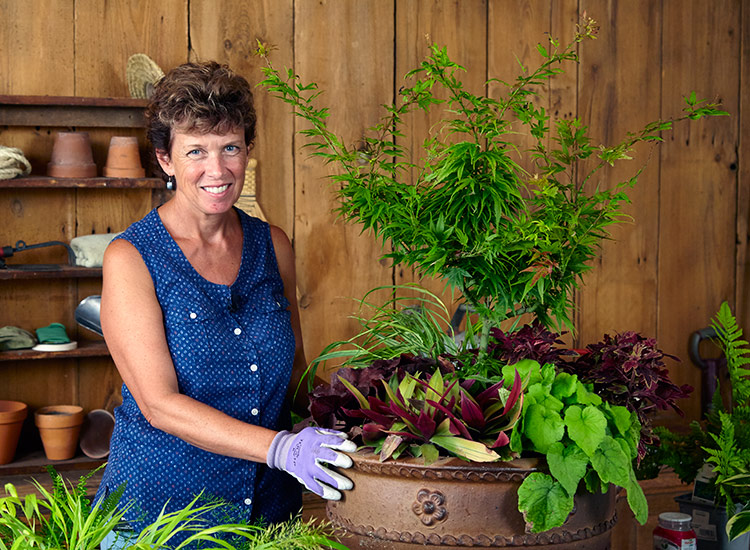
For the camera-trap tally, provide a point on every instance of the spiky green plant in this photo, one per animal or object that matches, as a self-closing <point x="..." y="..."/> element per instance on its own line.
<point x="64" y="519"/>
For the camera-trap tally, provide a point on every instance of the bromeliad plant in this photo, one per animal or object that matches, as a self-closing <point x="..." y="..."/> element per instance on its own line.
<point x="512" y="238"/>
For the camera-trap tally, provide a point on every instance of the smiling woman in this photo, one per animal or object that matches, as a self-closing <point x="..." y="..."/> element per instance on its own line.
<point x="200" y="315"/>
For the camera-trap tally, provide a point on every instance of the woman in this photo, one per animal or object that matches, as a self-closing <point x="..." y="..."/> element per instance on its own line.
<point x="200" y="315"/>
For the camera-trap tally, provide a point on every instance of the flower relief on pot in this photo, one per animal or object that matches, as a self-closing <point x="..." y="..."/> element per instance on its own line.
<point x="430" y="506"/>
<point x="502" y="401"/>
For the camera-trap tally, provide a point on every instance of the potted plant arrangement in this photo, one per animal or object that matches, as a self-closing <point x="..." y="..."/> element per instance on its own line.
<point x="715" y="453"/>
<point x="63" y="519"/>
<point x="510" y="409"/>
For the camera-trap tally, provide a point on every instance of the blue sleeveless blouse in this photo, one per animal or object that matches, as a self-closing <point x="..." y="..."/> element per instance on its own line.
<point x="233" y="349"/>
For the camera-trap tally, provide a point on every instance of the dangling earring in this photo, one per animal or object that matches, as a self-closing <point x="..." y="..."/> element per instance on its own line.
<point x="171" y="183"/>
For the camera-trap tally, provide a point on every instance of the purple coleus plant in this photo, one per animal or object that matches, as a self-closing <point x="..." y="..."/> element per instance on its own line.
<point x="628" y="369"/>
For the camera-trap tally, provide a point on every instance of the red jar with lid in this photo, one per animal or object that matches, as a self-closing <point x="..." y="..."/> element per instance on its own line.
<point x="674" y="532"/>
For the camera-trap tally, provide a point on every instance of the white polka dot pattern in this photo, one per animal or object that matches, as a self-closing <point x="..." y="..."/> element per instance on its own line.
<point x="232" y="348"/>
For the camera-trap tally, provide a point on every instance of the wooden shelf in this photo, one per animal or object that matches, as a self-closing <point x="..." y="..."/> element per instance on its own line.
<point x="35" y="463"/>
<point x="85" y="349"/>
<point x="64" y="272"/>
<point x="83" y="112"/>
<point x="46" y="182"/>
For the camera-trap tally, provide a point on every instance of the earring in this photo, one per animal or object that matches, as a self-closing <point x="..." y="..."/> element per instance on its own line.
<point x="171" y="183"/>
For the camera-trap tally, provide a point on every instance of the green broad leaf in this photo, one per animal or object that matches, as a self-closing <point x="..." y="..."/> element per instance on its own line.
<point x="516" y="444"/>
<point x="565" y="385"/>
<point x="474" y="451"/>
<point x="584" y="396"/>
<point x="429" y="452"/>
<point x="528" y="369"/>
<point x="548" y="374"/>
<point x="543" y="502"/>
<point x="739" y="524"/>
<point x="637" y="500"/>
<point x="586" y="426"/>
<point x="543" y="427"/>
<point x="612" y="463"/>
<point x="361" y="399"/>
<point x="541" y="395"/>
<point x="567" y="464"/>
<point x="622" y="418"/>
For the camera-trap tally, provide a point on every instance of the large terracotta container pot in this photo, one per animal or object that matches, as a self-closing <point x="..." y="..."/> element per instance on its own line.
<point x="72" y="156"/>
<point x="12" y="415"/>
<point x="59" y="427"/>
<point x="452" y="504"/>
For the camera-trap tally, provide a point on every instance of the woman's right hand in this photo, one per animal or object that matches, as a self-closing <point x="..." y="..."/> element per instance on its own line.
<point x="304" y="455"/>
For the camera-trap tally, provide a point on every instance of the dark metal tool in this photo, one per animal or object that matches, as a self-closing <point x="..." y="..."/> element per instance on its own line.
<point x="20" y="246"/>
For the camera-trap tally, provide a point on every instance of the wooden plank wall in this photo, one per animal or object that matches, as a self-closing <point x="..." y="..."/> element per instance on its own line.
<point x="665" y="274"/>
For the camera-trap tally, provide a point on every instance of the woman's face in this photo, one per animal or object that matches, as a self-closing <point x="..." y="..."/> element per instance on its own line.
<point x="209" y="168"/>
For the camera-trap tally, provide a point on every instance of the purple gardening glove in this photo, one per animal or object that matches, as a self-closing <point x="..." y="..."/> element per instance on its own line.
<point x="304" y="454"/>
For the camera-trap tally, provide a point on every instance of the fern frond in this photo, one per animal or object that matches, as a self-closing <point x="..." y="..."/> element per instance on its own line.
<point x="737" y="352"/>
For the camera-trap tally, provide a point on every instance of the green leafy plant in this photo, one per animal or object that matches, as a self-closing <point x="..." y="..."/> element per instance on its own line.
<point x="64" y="519"/>
<point x="512" y="236"/>
<point x="724" y="436"/>
<point x="583" y="439"/>
<point x="510" y="240"/>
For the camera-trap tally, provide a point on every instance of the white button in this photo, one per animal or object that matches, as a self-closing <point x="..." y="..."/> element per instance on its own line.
<point x="193" y="315"/>
<point x="254" y="412"/>
<point x="238" y="331"/>
<point x="248" y="501"/>
<point x="253" y="367"/>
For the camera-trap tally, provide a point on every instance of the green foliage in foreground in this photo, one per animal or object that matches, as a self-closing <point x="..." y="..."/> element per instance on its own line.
<point x="584" y="439"/>
<point x="65" y="520"/>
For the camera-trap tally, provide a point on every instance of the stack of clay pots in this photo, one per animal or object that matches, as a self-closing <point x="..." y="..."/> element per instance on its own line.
<point x="72" y="157"/>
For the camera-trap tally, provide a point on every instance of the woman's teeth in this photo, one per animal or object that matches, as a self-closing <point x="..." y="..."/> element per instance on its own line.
<point x="216" y="190"/>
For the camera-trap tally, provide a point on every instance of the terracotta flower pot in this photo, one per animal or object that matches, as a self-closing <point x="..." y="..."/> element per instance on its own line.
<point x="12" y="415"/>
<point x="72" y="156"/>
<point x="96" y="432"/>
<point x="59" y="426"/>
<point x="123" y="158"/>
<point x="452" y="504"/>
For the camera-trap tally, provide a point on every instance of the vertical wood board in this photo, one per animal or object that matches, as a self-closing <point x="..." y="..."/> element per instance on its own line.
<point x="619" y="93"/>
<point x="700" y="52"/>
<point x="228" y="33"/>
<point x="337" y="263"/>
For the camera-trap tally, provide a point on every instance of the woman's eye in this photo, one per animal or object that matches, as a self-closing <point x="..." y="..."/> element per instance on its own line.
<point x="194" y="152"/>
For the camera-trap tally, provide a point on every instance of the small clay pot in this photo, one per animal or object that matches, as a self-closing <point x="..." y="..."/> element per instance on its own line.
<point x="96" y="432"/>
<point x="123" y="158"/>
<point x="72" y="156"/>
<point x="12" y="415"/>
<point x="59" y="426"/>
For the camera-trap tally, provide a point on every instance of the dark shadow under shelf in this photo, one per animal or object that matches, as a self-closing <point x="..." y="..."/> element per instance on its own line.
<point x="46" y="182"/>
<point x="84" y="349"/>
<point x="60" y="272"/>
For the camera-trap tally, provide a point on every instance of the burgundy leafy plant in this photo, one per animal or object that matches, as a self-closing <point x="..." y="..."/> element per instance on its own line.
<point x="329" y="404"/>
<point x="532" y="341"/>
<point x="419" y="416"/>
<point x="628" y="369"/>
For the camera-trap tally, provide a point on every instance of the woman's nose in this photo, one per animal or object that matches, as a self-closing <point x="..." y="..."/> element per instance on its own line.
<point x="215" y="166"/>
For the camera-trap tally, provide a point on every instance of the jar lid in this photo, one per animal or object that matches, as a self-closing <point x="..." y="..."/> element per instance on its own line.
<point x="675" y="520"/>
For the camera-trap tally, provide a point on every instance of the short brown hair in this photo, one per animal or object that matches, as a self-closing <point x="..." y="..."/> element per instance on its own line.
<point x="207" y="97"/>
